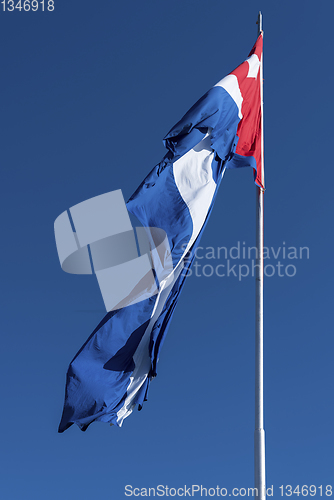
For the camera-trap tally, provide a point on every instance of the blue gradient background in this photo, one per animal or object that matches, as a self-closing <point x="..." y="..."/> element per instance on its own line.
<point x="87" y="94"/>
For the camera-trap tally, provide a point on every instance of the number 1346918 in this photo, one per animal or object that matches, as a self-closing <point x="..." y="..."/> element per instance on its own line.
<point x="26" y="5"/>
<point x="304" y="490"/>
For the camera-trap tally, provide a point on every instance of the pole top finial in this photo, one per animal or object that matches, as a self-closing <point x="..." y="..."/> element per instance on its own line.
<point x="259" y="22"/>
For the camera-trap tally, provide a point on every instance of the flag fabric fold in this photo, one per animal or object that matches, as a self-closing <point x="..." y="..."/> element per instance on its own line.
<point x="112" y="371"/>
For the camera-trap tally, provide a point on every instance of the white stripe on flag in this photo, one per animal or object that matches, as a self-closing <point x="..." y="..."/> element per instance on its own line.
<point x="193" y="177"/>
<point x="141" y="357"/>
<point x="231" y="85"/>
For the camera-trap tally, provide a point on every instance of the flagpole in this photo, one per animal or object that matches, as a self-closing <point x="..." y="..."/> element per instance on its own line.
<point x="259" y="437"/>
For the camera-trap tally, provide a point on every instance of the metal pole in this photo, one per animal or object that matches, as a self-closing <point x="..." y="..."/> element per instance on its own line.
<point x="259" y="438"/>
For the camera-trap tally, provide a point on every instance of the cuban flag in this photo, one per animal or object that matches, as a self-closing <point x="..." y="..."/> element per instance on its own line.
<point x="111" y="373"/>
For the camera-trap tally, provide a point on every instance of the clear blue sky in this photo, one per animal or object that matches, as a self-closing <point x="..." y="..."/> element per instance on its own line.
<point x="87" y="94"/>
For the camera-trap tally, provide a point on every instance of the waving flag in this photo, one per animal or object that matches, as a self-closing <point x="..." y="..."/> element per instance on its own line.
<point x="112" y="371"/>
